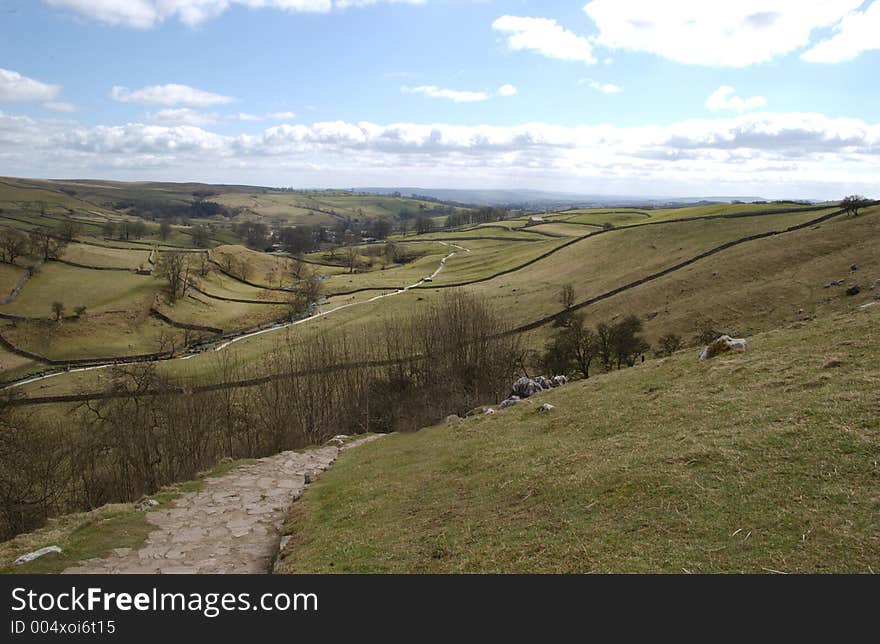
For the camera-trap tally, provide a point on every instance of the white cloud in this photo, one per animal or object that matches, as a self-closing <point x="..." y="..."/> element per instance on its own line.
<point x="725" y="98"/>
<point x="145" y="14"/>
<point x="15" y="87"/>
<point x="605" y="88"/>
<point x="457" y="96"/>
<point x="507" y="90"/>
<point x="244" y="116"/>
<point x="58" y="106"/>
<point x="759" y="153"/>
<point x="734" y="34"/>
<point x="170" y="94"/>
<point x="544" y="36"/>
<point x="857" y="32"/>
<point x="281" y="116"/>
<point x="347" y="4"/>
<point x="183" y="116"/>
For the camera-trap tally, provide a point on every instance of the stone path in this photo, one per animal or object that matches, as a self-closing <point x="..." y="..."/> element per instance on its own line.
<point x="232" y="525"/>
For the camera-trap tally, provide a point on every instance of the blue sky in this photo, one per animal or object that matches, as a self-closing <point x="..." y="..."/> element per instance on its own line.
<point x="774" y="98"/>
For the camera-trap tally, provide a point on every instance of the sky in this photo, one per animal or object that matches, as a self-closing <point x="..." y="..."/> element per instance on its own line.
<point x="769" y="98"/>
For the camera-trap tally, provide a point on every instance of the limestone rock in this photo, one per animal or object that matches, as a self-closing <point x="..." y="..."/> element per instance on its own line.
<point x="855" y="289"/>
<point x="510" y="402"/>
<point x="525" y="387"/>
<point x="723" y="344"/>
<point x="489" y="411"/>
<point x="36" y="554"/>
<point x="145" y="505"/>
<point x="546" y="407"/>
<point x="560" y="380"/>
<point x="545" y="382"/>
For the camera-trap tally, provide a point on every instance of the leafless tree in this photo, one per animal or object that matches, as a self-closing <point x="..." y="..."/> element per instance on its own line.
<point x="175" y="268"/>
<point x="13" y="245"/>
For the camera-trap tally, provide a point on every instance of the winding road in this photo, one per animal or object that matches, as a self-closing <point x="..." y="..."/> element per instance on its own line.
<point x="252" y="334"/>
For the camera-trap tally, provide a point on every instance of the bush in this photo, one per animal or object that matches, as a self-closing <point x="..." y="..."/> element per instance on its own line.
<point x="669" y="344"/>
<point x="152" y="431"/>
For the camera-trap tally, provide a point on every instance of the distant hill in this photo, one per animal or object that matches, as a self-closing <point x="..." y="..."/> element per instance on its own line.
<point x="547" y="199"/>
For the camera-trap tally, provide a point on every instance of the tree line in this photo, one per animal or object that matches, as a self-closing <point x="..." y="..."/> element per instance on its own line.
<point x="414" y="373"/>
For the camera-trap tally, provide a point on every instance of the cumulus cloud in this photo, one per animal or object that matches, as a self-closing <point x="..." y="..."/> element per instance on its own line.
<point x="15" y="87"/>
<point x="170" y="94"/>
<point x="183" y="116"/>
<point x="544" y="36"/>
<point x="725" y="98"/>
<point x="145" y="14"/>
<point x="750" y="150"/>
<point x="734" y="34"/>
<point x="857" y="32"/>
<point x="605" y="88"/>
<point x="59" y="106"/>
<point x="507" y="90"/>
<point x="454" y="95"/>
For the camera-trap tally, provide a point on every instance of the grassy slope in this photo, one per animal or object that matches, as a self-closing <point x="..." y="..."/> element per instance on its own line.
<point x="759" y="285"/>
<point x="80" y="286"/>
<point x="749" y="288"/>
<point x="94" y="256"/>
<point x="10" y="276"/>
<point x="610" y="260"/>
<point x="765" y="461"/>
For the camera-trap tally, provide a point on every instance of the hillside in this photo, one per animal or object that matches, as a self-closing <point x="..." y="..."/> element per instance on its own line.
<point x="757" y="462"/>
<point x="741" y="268"/>
<point x="762" y="462"/>
<point x="116" y="199"/>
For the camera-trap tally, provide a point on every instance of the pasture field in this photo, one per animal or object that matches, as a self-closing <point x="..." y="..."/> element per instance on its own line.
<point x="98" y="291"/>
<point x="761" y="462"/>
<point x="759" y="285"/>
<point x="196" y="309"/>
<point x="483" y="231"/>
<point x="13" y="365"/>
<point x="674" y="303"/>
<point x="605" y="261"/>
<point x="107" y="257"/>
<point x="98" y="335"/>
<point x="10" y="276"/>
<point x="319" y="207"/>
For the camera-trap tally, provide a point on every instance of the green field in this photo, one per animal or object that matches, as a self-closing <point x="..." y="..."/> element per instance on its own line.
<point x="72" y="286"/>
<point x="755" y="463"/>
<point x="746" y="288"/>
<point x="631" y="472"/>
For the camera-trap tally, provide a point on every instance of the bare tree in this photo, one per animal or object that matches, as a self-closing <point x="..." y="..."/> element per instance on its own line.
<point x="58" y="310"/>
<point x="13" y="244"/>
<point x="351" y="258"/>
<point x="566" y="299"/>
<point x="69" y="229"/>
<point x="45" y="245"/>
<point x="669" y="344"/>
<point x="853" y="203"/>
<point x="175" y="268"/>
<point x="164" y="230"/>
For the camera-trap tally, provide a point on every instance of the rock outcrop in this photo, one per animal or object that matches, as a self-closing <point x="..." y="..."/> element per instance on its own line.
<point x="525" y="387"/>
<point x="722" y="345"/>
